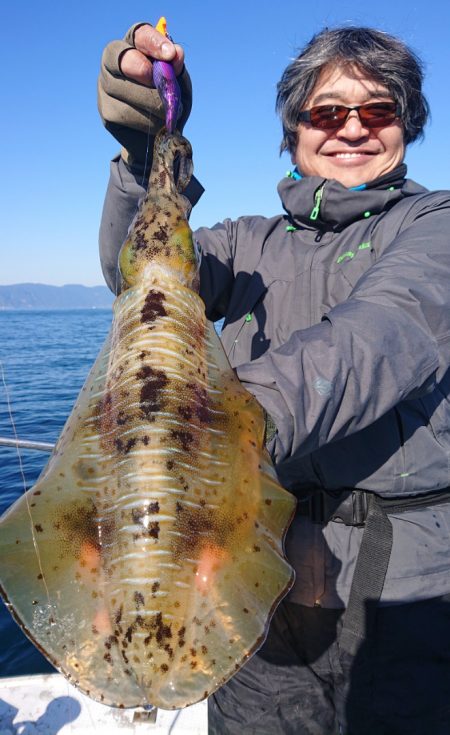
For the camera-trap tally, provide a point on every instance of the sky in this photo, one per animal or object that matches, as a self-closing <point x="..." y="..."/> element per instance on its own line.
<point x="56" y="153"/>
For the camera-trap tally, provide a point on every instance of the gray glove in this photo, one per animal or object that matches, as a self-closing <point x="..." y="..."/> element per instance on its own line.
<point x="130" y="111"/>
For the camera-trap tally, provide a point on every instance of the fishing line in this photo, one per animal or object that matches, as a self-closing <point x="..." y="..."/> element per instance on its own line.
<point x="22" y="473"/>
<point x="146" y="151"/>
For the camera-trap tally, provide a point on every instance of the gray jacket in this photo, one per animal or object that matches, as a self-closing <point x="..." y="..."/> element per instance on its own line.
<point x="340" y="325"/>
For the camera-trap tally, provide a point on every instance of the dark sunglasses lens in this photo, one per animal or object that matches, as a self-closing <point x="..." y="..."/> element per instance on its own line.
<point x="329" y="117"/>
<point x="377" y="114"/>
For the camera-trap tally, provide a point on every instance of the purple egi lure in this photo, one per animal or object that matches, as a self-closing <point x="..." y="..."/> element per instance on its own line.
<point x="166" y="84"/>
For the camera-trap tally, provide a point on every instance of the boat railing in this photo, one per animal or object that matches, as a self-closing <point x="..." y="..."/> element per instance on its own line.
<point x="26" y="444"/>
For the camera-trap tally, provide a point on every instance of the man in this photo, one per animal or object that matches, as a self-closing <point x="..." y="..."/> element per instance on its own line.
<point x="337" y="318"/>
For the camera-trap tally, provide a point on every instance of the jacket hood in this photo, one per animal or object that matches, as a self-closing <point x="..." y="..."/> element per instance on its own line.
<point x="338" y="205"/>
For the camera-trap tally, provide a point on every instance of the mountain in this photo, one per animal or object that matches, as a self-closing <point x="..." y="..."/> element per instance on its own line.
<point x="41" y="296"/>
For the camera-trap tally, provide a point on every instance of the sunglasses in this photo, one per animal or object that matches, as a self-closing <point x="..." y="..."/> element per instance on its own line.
<point x="332" y="117"/>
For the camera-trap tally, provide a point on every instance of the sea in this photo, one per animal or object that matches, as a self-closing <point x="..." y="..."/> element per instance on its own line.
<point x="45" y="357"/>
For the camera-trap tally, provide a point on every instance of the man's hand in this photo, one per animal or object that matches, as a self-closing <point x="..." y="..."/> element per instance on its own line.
<point x="148" y="42"/>
<point x="129" y="104"/>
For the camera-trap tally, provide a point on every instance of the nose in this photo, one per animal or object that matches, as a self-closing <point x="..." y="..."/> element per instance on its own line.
<point x="353" y="128"/>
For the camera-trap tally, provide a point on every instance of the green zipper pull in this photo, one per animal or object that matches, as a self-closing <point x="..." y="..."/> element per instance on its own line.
<point x="315" y="213"/>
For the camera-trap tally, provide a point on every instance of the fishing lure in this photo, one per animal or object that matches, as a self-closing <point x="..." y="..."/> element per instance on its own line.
<point x="166" y="84"/>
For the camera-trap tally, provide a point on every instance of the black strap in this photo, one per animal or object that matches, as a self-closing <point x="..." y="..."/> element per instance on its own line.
<point x="368" y="578"/>
<point x="342" y="506"/>
<point x="351" y="506"/>
<point x="413" y="502"/>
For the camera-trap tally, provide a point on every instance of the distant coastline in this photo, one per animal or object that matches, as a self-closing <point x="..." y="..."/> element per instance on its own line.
<point x="42" y="296"/>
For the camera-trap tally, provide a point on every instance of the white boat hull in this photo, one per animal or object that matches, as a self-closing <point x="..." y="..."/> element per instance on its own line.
<point x="49" y="704"/>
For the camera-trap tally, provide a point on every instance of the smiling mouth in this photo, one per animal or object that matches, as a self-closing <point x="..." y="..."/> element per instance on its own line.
<point x="350" y="155"/>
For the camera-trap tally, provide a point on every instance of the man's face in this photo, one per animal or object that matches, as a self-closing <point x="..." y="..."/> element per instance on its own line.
<point x="353" y="154"/>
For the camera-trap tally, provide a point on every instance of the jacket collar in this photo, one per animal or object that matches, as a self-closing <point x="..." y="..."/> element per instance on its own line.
<point x="335" y="206"/>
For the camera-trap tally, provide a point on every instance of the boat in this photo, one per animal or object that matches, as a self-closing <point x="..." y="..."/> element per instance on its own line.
<point x="47" y="704"/>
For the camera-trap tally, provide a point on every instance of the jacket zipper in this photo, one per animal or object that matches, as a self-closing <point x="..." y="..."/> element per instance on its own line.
<point x="318" y="200"/>
<point x="231" y="351"/>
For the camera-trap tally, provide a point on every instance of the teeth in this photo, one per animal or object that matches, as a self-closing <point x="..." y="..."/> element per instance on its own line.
<point x="348" y="155"/>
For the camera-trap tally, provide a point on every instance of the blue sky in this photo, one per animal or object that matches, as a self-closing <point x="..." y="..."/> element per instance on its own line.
<point x="55" y="153"/>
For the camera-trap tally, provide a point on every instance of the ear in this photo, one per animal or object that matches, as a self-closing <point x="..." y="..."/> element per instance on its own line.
<point x="293" y="151"/>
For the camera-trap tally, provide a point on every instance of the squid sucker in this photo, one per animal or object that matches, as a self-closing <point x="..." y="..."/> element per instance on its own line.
<point x="147" y="560"/>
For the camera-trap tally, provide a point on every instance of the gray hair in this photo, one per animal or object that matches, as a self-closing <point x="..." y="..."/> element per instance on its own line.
<point x="382" y="57"/>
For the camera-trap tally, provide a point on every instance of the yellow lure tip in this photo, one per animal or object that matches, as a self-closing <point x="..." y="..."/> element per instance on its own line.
<point x="161" y="26"/>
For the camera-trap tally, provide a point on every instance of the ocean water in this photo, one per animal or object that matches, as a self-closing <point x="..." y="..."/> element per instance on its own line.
<point x="45" y="357"/>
